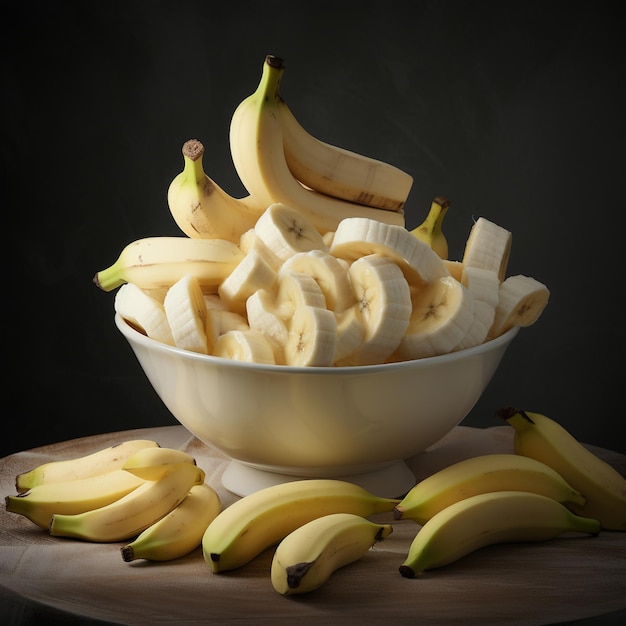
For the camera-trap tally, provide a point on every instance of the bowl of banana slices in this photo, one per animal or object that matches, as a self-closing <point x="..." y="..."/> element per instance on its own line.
<point x="303" y="330"/>
<point x="301" y="355"/>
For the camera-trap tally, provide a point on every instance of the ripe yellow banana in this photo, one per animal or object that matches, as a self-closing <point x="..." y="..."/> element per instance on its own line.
<point x="257" y="149"/>
<point x="73" y="496"/>
<point x="156" y="262"/>
<point x="152" y="463"/>
<point x="201" y="208"/>
<point x="339" y="172"/>
<point x="483" y="474"/>
<point x="430" y="230"/>
<point x="99" y="462"/>
<point x="180" y="531"/>
<point x="307" y="557"/>
<point x="542" y="438"/>
<point x="487" y="519"/>
<point x="134" y="512"/>
<point x="259" y="520"/>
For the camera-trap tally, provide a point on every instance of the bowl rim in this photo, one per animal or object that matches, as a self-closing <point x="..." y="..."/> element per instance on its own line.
<point x="133" y="335"/>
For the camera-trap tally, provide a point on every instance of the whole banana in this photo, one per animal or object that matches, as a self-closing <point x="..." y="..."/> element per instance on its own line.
<point x="338" y="172"/>
<point x="430" y="230"/>
<point x="133" y="513"/>
<point x="72" y="496"/>
<point x="257" y="149"/>
<point x="180" y="531"/>
<point x="152" y="463"/>
<point x="487" y="519"/>
<point x="201" y="208"/>
<point x="483" y="474"/>
<point x="542" y="438"/>
<point x="259" y="520"/>
<point x="98" y="462"/>
<point x="307" y="557"/>
<point x="157" y="262"/>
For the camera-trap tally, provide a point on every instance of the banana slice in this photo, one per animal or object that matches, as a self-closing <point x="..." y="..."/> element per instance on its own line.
<point x="286" y="231"/>
<point x="187" y="315"/>
<point x="144" y="312"/>
<point x="384" y="303"/>
<point x="356" y="237"/>
<point x="522" y="300"/>
<point x="350" y="333"/>
<point x="294" y="290"/>
<point x="488" y="246"/>
<point x="249" y="240"/>
<point x="312" y="337"/>
<point x="263" y="316"/>
<point x="484" y="285"/>
<point x="328" y="272"/>
<point x="244" y="345"/>
<point x="252" y="273"/>
<point x="442" y="315"/>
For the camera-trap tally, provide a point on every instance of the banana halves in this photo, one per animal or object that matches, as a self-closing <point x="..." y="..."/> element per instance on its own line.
<point x="72" y="496"/>
<point x="98" y="462"/>
<point x="201" y="208"/>
<point x="487" y="519"/>
<point x="180" y="531"/>
<point x="259" y="520"/>
<point x="542" y="438"/>
<point x="307" y="557"/>
<point x="338" y="172"/>
<point x="258" y="153"/>
<point x="482" y="474"/>
<point x="156" y="262"/>
<point x="130" y="515"/>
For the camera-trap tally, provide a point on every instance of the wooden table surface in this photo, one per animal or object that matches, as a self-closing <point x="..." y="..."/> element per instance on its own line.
<point x="50" y="580"/>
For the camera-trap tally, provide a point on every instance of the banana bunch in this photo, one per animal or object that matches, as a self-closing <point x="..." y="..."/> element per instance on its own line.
<point x="544" y="439"/>
<point x="286" y="294"/>
<point x="153" y="497"/>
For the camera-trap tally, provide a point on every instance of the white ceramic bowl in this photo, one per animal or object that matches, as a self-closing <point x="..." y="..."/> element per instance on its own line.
<point x="278" y="423"/>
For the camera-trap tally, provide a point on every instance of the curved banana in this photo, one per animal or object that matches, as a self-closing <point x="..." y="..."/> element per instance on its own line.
<point x="156" y="262"/>
<point x="201" y="208"/>
<point x="482" y="474"/>
<point x="98" y="462"/>
<point x="257" y="149"/>
<point x="180" y="531"/>
<point x="307" y="557"/>
<point x="259" y="520"/>
<point x="430" y="230"/>
<point x="339" y="172"/>
<point x="143" y="311"/>
<point x="134" y="512"/>
<point x="542" y="438"/>
<point x="487" y="519"/>
<point x="152" y="463"/>
<point x="69" y="497"/>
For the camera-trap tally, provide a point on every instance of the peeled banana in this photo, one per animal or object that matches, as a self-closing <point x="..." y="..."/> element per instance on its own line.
<point x="487" y="519"/>
<point x="604" y="488"/>
<point x="260" y="520"/>
<point x="307" y="557"/>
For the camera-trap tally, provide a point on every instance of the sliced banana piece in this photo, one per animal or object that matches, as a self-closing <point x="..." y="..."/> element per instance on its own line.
<point x="488" y="246"/>
<point x="144" y="312"/>
<point x="522" y="300"/>
<point x="484" y="285"/>
<point x="250" y="240"/>
<point x="263" y="316"/>
<point x="328" y="272"/>
<point x="244" y="345"/>
<point x="442" y="313"/>
<point x="312" y="337"/>
<point x="253" y="273"/>
<point x="187" y="315"/>
<point x="350" y="333"/>
<point x="384" y="303"/>
<point x="286" y="231"/>
<point x="356" y="237"/>
<point x="294" y="290"/>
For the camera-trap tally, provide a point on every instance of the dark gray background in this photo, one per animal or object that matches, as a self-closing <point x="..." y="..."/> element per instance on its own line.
<point x="515" y="111"/>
